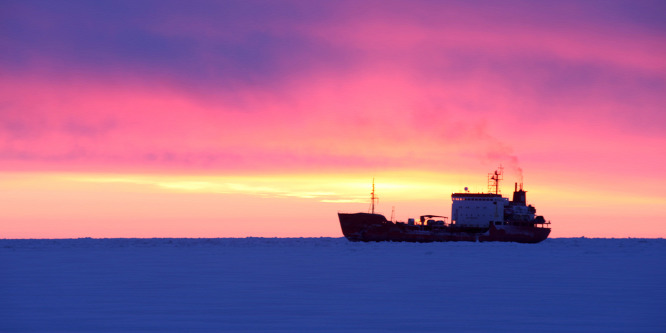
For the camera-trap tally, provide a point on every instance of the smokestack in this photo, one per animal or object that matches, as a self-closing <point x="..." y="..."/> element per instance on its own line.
<point x="519" y="197"/>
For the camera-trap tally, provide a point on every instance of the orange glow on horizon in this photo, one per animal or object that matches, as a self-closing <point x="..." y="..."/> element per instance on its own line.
<point x="66" y="205"/>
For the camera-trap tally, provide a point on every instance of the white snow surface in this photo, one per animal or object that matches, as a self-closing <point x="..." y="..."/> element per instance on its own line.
<point x="331" y="284"/>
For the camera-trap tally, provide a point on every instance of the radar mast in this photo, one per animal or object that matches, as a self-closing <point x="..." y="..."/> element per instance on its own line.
<point x="494" y="180"/>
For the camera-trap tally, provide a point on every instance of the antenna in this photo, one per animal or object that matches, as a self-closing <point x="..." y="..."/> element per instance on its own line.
<point x="372" y="195"/>
<point x="494" y="179"/>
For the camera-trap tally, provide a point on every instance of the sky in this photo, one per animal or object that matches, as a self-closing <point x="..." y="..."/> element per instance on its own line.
<point x="266" y="118"/>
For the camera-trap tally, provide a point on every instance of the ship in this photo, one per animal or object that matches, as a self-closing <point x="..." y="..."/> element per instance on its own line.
<point x="475" y="217"/>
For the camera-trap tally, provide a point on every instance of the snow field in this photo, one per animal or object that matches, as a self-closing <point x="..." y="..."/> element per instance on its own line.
<point x="330" y="284"/>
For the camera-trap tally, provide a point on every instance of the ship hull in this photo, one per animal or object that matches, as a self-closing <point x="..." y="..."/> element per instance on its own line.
<point x="374" y="227"/>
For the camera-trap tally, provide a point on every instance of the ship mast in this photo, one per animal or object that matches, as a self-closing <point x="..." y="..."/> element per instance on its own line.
<point x="494" y="179"/>
<point x="372" y="196"/>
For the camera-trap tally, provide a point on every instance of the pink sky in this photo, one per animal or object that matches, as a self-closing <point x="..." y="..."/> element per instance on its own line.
<point x="264" y="118"/>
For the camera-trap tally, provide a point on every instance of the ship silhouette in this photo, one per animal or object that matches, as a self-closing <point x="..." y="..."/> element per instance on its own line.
<point x="475" y="217"/>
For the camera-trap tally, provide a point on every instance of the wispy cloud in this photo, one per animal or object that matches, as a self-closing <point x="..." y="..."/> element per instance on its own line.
<point x="316" y="187"/>
<point x="268" y="187"/>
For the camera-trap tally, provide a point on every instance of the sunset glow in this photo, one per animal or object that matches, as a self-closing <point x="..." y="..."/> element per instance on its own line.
<point x="266" y="118"/>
